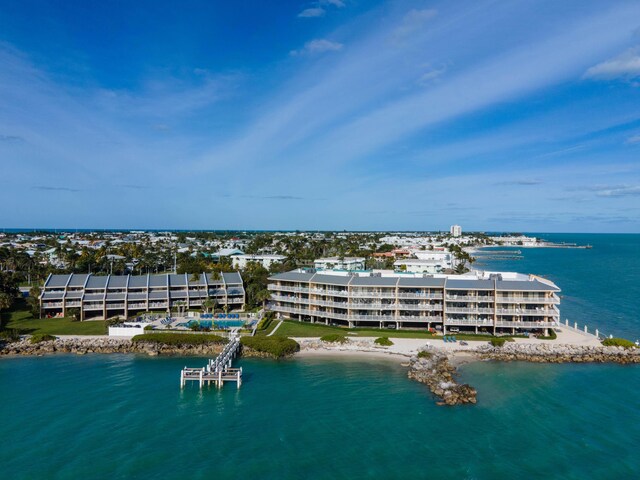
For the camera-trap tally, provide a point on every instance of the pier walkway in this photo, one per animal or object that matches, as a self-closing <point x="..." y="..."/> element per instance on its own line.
<point x="218" y="370"/>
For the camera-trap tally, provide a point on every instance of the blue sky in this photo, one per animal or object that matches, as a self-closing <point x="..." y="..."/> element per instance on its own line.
<point x="329" y="114"/>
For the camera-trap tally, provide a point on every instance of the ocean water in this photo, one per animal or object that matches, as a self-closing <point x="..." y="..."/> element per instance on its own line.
<point x="600" y="286"/>
<point x="124" y="416"/>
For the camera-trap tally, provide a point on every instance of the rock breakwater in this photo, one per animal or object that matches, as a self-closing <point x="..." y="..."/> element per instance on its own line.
<point x="558" y="353"/>
<point x="81" y="346"/>
<point x="437" y="373"/>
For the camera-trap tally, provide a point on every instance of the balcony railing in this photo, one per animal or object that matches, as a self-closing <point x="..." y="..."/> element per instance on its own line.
<point x="470" y="310"/>
<point x="287" y="288"/>
<point x="420" y="308"/>
<point x="521" y="300"/>
<point x="434" y="296"/>
<point x="526" y="324"/>
<point x="470" y="298"/>
<point x="469" y="321"/>
<point x="526" y="311"/>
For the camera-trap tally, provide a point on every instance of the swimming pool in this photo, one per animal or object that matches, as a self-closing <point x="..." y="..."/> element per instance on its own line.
<point x="228" y="323"/>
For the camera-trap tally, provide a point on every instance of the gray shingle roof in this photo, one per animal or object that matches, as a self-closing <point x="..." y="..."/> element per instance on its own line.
<point x="421" y="282"/>
<point x="115" y="296"/>
<point x="530" y="286"/>
<point x="157" y="295"/>
<point x="177" y="280"/>
<point x="374" y="281"/>
<point x="331" y="279"/>
<point x="463" y="284"/>
<point x="292" y="277"/>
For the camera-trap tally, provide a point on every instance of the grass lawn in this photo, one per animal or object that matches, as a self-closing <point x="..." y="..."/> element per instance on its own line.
<point x="291" y="328"/>
<point x="20" y="318"/>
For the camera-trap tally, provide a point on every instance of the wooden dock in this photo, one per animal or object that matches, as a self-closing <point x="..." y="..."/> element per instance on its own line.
<point x="218" y="370"/>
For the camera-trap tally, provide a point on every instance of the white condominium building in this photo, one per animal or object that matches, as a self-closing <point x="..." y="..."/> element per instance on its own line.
<point x="340" y="263"/>
<point x="266" y="260"/>
<point x="492" y="302"/>
<point x="455" y="230"/>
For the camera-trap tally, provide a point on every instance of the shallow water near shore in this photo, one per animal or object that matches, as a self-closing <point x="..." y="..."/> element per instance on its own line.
<point x="124" y="416"/>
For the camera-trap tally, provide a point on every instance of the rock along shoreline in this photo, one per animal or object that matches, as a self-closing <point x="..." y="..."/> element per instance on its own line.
<point x="435" y="369"/>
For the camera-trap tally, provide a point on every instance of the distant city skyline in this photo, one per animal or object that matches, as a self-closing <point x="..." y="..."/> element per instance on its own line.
<point x="320" y="115"/>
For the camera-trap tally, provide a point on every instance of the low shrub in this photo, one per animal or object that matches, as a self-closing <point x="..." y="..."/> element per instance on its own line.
<point x="168" y="338"/>
<point x="41" y="337"/>
<point x="497" y="342"/>
<point x="276" y="346"/>
<point x="424" y="354"/>
<point x="552" y="335"/>
<point x="618" y="342"/>
<point x="265" y="322"/>
<point x="333" y="338"/>
<point x="383" y="341"/>
<point x="10" y="335"/>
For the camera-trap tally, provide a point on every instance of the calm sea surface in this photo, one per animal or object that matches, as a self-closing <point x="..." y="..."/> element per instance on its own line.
<point x="124" y="416"/>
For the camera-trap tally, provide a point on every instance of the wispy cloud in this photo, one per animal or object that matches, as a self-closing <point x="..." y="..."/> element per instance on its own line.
<point x="633" y="139"/>
<point x="317" y="46"/>
<point x="430" y="75"/>
<point x="624" y="66"/>
<point x="313" y="12"/>
<point x="523" y="182"/>
<point x="413" y="21"/>
<point x="11" y="138"/>
<point x="56" y="189"/>
<point x="618" y="191"/>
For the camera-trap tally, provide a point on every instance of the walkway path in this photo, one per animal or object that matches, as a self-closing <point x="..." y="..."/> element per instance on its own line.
<point x="274" y="330"/>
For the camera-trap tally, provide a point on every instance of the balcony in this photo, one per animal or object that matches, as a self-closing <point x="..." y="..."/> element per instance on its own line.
<point x="46" y="304"/>
<point x="469" y="321"/>
<point x="420" y="318"/>
<point x="329" y="292"/>
<point x="431" y="296"/>
<point x="420" y="308"/>
<point x="488" y="311"/>
<point x="471" y="298"/>
<point x="523" y="300"/>
<point x="527" y="311"/>
<point x="373" y="306"/>
<point x="373" y="294"/>
<point x="541" y="324"/>
<point x="287" y="288"/>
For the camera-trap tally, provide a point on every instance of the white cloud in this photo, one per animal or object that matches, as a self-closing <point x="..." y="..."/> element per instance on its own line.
<point x="317" y="46"/>
<point x="312" y="12"/>
<point x="617" y="191"/>
<point x="335" y="3"/>
<point x="624" y="66"/>
<point x="633" y="139"/>
<point x="412" y="22"/>
<point x="431" y="75"/>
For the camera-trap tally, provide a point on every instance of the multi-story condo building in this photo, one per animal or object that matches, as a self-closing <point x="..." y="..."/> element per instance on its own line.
<point x="339" y="263"/>
<point x="266" y="260"/>
<point x="477" y="302"/>
<point x="106" y="296"/>
<point x="455" y="230"/>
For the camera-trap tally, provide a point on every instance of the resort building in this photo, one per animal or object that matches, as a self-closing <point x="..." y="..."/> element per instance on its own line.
<point x="479" y="302"/>
<point x="339" y="263"/>
<point x="416" y="265"/>
<point x="455" y="230"/>
<point x="266" y="260"/>
<point x="106" y="296"/>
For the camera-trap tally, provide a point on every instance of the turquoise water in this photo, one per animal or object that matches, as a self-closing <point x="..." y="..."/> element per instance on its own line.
<point x="124" y="416"/>
<point x="600" y="286"/>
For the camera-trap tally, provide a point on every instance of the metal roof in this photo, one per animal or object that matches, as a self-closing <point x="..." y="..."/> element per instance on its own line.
<point x="57" y="281"/>
<point x="118" y="281"/>
<point x="331" y="279"/>
<point x="97" y="282"/>
<point x="138" y="281"/>
<point x="292" y="276"/>
<point x="158" y="280"/>
<point x="231" y="277"/>
<point x="78" y="279"/>
<point x="177" y="280"/>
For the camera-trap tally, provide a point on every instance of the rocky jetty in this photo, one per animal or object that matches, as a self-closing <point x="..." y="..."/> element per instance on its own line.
<point x="437" y="373"/>
<point x="558" y="353"/>
<point x="81" y="346"/>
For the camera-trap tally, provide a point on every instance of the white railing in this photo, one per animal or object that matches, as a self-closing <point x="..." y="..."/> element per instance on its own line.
<point x="420" y="308"/>
<point x="432" y="296"/>
<point x="469" y="310"/>
<point x="470" y="298"/>
<point x="541" y="324"/>
<point x="467" y="321"/>
<point x="554" y="300"/>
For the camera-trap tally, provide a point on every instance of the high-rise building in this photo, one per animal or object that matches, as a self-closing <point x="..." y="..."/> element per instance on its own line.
<point x="456" y="230"/>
